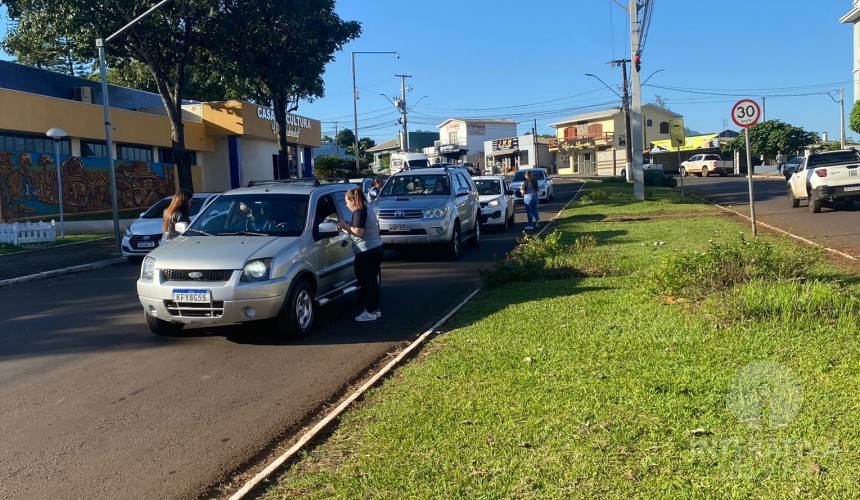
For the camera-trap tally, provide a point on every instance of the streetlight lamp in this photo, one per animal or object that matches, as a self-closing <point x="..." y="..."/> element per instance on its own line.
<point x="58" y="134"/>
<point x="355" y="101"/>
<point x="628" y="143"/>
<point x="100" y="43"/>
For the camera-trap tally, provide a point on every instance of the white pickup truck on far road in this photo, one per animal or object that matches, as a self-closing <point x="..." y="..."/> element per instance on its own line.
<point x="706" y="164"/>
<point x="826" y="178"/>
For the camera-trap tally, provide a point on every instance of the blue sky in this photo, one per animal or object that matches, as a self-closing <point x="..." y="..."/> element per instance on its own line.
<point x="527" y="62"/>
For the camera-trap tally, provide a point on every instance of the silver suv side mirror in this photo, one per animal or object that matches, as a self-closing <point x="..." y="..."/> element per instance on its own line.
<point x="180" y="227"/>
<point x="328" y="230"/>
<point x="462" y="191"/>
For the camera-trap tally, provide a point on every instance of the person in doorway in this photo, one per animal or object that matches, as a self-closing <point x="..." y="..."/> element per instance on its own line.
<point x="364" y="232"/>
<point x="780" y="162"/>
<point x="177" y="211"/>
<point x="531" y="194"/>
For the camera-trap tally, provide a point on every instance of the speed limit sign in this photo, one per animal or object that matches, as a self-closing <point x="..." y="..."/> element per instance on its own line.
<point x="745" y="113"/>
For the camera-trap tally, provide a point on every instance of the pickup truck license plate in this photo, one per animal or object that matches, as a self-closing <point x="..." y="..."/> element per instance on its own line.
<point x="399" y="227"/>
<point x="146" y="244"/>
<point x="852" y="188"/>
<point x="191" y="295"/>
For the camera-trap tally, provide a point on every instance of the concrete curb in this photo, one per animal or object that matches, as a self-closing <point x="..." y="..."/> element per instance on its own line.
<point x="61" y="272"/>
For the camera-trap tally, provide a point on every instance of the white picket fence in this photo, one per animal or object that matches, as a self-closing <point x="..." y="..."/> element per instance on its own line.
<point x="23" y="233"/>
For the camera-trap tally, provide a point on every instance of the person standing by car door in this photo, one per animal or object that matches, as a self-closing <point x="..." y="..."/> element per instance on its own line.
<point x="364" y="232"/>
<point x="177" y="211"/>
<point x="531" y="194"/>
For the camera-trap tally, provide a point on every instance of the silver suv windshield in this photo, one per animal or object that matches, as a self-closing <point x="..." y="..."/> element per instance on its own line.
<point x="417" y="185"/>
<point x="263" y="214"/>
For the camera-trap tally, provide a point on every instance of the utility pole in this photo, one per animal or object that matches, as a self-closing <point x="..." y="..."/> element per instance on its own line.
<point x="404" y="141"/>
<point x="537" y="153"/>
<point x="763" y="109"/>
<point x="625" y="98"/>
<point x="842" y="115"/>
<point x="336" y="147"/>
<point x="636" y="108"/>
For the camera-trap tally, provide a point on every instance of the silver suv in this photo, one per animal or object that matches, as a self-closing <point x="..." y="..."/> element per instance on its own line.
<point x="270" y="251"/>
<point x="430" y="206"/>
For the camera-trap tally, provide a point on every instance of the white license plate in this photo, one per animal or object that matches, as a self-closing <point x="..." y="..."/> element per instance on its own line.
<point x="852" y="188"/>
<point x="399" y="227"/>
<point x="193" y="296"/>
<point x="146" y="244"/>
<point x="852" y="172"/>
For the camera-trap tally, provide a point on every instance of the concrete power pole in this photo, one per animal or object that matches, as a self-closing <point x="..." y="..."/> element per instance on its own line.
<point x="404" y="140"/>
<point x="842" y="116"/>
<point x="636" y="107"/>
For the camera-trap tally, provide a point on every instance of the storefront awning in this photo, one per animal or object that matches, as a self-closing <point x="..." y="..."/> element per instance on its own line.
<point x="503" y="152"/>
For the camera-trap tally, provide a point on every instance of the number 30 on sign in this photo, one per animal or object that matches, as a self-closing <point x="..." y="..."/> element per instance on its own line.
<point x="745" y="113"/>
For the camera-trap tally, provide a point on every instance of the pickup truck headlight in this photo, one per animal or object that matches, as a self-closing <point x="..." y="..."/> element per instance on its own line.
<point x="494" y="203"/>
<point x="147" y="269"/>
<point x="435" y="213"/>
<point x="257" y="270"/>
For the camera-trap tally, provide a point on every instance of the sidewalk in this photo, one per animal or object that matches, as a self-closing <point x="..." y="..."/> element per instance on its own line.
<point x="46" y="262"/>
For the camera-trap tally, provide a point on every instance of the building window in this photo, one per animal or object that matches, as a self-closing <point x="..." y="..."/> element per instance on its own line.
<point x="649" y="122"/>
<point x="595" y="130"/>
<point x="453" y="138"/>
<point x="165" y="155"/>
<point x="664" y="127"/>
<point x="570" y="133"/>
<point x="91" y="149"/>
<point x="524" y="157"/>
<point x="134" y="153"/>
<point x="23" y="143"/>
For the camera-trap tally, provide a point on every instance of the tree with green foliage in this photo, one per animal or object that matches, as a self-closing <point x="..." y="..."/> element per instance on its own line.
<point x="166" y="43"/>
<point x="772" y="136"/>
<point x="854" y="118"/>
<point x="276" y="51"/>
<point x="346" y="140"/>
<point x="34" y="41"/>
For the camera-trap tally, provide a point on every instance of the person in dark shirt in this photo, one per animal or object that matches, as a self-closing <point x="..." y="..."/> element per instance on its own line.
<point x="364" y="232"/>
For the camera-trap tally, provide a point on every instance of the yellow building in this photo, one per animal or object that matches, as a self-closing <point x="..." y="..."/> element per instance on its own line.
<point x="228" y="144"/>
<point x="596" y="143"/>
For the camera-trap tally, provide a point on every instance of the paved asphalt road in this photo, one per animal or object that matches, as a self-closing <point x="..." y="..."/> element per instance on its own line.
<point x="837" y="227"/>
<point x="92" y="405"/>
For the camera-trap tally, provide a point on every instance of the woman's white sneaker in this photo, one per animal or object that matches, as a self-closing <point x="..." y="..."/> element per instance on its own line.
<point x="366" y="316"/>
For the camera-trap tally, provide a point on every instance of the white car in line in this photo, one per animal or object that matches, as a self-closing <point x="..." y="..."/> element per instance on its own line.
<point x="497" y="201"/>
<point x="544" y="181"/>
<point x="143" y="235"/>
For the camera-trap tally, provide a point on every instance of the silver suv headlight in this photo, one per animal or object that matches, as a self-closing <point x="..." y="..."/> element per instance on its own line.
<point x="147" y="269"/>
<point x="257" y="270"/>
<point x="494" y="202"/>
<point x="435" y="213"/>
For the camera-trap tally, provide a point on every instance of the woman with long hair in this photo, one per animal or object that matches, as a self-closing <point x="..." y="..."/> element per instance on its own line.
<point x="177" y="211"/>
<point x="364" y="232"/>
<point x="530" y="200"/>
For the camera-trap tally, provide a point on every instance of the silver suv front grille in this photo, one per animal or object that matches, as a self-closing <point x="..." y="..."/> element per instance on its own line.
<point x="214" y="309"/>
<point x="401" y="214"/>
<point x="194" y="275"/>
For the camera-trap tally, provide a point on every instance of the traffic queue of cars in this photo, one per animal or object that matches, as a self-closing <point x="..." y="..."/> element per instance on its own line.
<point x="272" y="252"/>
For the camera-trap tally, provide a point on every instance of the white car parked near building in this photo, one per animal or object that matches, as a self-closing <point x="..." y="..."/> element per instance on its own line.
<point x="143" y="235"/>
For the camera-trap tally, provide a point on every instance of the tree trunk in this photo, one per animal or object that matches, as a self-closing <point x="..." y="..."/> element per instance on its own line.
<point x="279" y="104"/>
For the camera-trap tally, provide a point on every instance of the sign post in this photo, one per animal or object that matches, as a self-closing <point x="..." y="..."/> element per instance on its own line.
<point x="677" y="138"/>
<point x="745" y="114"/>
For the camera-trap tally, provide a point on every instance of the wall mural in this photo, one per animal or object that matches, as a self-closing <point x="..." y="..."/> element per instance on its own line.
<point x="30" y="191"/>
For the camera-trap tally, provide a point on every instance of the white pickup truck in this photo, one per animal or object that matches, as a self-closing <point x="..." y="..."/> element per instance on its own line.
<point x="825" y="178"/>
<point x="706" y="164"/>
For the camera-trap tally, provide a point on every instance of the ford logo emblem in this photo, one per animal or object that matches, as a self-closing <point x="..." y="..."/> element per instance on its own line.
<point x="399" y="213"/>
<point x="195" y="275"/>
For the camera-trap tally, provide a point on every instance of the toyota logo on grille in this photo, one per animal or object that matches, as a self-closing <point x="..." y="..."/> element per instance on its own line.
<point x="195" y="275"/>
<point x="399" y="213"/>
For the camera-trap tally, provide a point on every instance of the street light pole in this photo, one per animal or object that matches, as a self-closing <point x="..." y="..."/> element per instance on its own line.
<point x="57" y="134"/>
<point x="100" y="44"/>
<point x="355" y="101"/>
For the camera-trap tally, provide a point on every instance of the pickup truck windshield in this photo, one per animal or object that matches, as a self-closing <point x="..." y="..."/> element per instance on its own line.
<point x="835" y="158"/>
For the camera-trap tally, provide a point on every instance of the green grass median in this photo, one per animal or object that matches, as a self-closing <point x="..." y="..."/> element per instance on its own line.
<point x="647" y="369"/>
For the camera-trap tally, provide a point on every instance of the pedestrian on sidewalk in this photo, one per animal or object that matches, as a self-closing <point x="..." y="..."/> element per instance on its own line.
<point x="364" y="232"/>
<point x="780" y="162"/>
<point x="531" y="195"/>
<point x="177" y="211"/>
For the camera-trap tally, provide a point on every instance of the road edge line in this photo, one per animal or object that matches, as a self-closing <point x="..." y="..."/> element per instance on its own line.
<point x="252" y="484"/>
